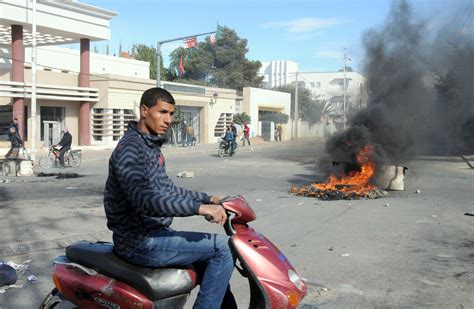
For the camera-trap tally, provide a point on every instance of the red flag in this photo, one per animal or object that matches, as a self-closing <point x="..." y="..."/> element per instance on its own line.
<point x="191" y="42"/>
<point x="181" y="66"/>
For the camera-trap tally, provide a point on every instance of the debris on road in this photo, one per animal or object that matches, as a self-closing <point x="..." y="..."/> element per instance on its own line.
<point x="470" y="213"/>
<point x="331" y="249"/>
<point x="418" y="191"/>
<point x="387" y="205"/>
<point x="301" y="203"/>
<point x="8" y="275"/>
<point x="344" y="254"/>
<point x="185" y="174"/>
<point x="258" y="200"/>
<point x="59" y="175"/>
<point x="32" y="279"/>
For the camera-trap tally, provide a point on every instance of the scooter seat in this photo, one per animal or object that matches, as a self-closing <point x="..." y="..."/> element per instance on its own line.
<point x="155" y="283"/>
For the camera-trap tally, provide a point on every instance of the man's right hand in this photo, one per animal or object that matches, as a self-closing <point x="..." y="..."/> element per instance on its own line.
<point x="217" y="213"/>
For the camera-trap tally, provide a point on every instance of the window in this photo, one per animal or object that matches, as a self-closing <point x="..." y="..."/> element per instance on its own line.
<point x="50" y="113"/>
<point x="318" y="84"/>
<point x="312" y="84"/>
<point x="5" y="118"/>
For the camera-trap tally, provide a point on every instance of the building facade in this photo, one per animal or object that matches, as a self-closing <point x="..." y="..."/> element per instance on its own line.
<point x="327" y="86"/>
<point x="278" y="73"/>
<point x="95" y="95"/>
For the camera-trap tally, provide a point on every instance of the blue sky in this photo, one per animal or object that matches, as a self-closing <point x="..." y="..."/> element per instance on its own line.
<point x="313" y="33"/>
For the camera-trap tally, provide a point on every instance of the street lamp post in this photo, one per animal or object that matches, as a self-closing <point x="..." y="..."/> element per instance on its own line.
<point x="344" y="106"/>
<point x="158" y="53"/>
<point x="33" y="84"/>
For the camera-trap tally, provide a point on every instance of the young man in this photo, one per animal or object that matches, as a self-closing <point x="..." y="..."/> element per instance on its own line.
<point x="141" y="200"/>
<point x="16" y="143"/>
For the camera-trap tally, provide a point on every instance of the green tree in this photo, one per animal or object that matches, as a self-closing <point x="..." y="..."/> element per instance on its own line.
<point x="220" y="65"/>
<point x="148" y="53"/>
<point x="241" y="118"/>
<point x="273" y="116"/>
<point x="309" y="109"/>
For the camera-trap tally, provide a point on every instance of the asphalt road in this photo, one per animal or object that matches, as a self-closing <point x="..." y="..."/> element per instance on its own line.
<point x="408" y="250"/>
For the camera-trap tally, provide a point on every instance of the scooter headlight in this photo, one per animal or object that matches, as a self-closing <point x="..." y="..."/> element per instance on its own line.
<point x="295" y="279"/>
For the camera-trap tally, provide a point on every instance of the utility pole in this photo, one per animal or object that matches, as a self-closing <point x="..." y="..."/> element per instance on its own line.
<point x="158" y="64"/>
<point x="296" y="108"/>
<point x="344" y="106"/>
<point x="33" y="85"/>
<point x="158" y="53"/>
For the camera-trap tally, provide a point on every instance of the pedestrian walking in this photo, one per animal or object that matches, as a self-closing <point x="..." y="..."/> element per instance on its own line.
<point x="246" y="136"/>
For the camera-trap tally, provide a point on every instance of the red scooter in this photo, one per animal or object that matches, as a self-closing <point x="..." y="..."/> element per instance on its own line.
<point x="91" y="276"/>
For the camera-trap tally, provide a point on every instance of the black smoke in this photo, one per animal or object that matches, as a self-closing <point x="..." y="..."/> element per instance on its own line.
<point x="421" y="83"/>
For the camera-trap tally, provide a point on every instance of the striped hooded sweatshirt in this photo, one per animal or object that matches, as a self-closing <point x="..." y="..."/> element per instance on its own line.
<point x="139" y="196"/>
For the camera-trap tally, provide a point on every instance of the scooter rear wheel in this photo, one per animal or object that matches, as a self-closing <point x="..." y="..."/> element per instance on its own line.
<point x="51" y="300"/>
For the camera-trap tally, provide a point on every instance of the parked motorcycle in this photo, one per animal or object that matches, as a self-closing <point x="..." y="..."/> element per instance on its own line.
<point x="72" y="158"/>
<point x="91" y="276"/>
<point x="225" y="148"/>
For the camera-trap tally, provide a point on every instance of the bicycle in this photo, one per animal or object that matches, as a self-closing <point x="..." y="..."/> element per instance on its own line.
<point x="72" y="158"/>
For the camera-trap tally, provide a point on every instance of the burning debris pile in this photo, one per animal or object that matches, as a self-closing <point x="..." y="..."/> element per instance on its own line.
<point x="355" y="185"/>
<point x="420" y="103"/>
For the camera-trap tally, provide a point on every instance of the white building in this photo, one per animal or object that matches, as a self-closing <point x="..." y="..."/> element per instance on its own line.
<point x="278" y="73"/>
<point x="327" y="86"/>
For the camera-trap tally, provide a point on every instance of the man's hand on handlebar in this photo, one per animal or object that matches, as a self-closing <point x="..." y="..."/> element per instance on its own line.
<point x="217" y="213"/>
<point x="216" y="199"/>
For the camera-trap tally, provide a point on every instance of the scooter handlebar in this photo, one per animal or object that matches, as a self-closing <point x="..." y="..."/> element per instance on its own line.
<point x="229" y="229"/>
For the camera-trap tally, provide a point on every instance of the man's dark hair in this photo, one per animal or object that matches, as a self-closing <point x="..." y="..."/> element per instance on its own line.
<point x="153" y="95"/>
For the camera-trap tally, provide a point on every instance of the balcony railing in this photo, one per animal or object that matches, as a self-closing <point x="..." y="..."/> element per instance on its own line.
<point x="48" y="92"/>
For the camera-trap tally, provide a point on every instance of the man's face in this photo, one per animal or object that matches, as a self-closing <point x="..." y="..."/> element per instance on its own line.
<point x="157" y="118"/>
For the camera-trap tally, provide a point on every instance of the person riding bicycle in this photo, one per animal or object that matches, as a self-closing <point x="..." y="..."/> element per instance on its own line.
<point x="65" y="144"/>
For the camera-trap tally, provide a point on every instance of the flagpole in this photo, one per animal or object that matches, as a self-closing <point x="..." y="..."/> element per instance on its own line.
<point x="158" y="53"/>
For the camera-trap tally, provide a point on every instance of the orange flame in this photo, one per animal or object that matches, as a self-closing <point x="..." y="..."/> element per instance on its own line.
<point x="356" y="183"/>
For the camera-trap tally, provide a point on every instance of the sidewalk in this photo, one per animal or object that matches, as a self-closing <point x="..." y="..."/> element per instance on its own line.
<point x="93" y="155"/>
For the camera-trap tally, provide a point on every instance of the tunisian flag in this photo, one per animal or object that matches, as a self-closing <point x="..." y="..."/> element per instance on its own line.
<point x="181" y="66"/>
<point x="190" y="42"/>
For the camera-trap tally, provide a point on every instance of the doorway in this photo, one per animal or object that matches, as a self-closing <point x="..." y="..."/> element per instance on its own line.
<point x="52" y="122"/>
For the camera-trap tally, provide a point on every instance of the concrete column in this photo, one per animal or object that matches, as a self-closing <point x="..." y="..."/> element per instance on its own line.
<point x="84" y="111"/>
<point x="18" y="75"/>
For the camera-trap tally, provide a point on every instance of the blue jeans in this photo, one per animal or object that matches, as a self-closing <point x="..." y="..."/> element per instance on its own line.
<point x="175" y="248"/>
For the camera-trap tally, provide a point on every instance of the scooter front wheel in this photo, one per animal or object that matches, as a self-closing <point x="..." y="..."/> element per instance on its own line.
<point x="51" y="300"/>
<point x="220" y="152"/>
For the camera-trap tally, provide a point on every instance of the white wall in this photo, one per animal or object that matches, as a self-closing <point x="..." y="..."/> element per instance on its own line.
<point x="67" y="59"/>
<point x="278" y="73"/>
<point x="329" y="86"/>
<point x="255" y="99"/>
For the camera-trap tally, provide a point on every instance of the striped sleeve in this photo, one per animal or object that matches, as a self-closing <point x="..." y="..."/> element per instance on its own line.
<point x="129" y="165"/>
<point x="200" y="196"/>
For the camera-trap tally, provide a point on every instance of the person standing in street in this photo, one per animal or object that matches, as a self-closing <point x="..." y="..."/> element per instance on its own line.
<point x="65" y="144"/>
<point x="16" y="143"/>
<point x="279" y="129"/>
<point x="190" y="135"/>
<point x="140" y="202"/>
<point x="184" y="137"/>
<point x="233" y="129"/>
<point x="246" y="134"/>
